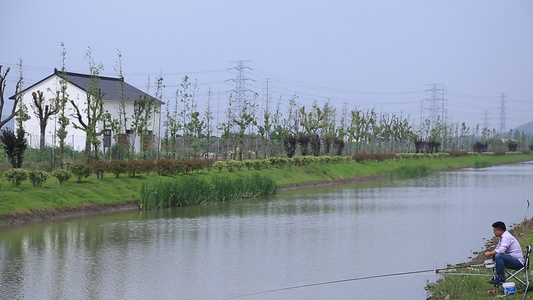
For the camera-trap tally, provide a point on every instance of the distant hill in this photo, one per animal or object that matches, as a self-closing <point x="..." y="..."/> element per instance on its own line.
<point x="526" y="128"/>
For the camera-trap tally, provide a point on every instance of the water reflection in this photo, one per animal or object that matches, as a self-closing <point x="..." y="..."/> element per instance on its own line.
<point x="300" y="237"/>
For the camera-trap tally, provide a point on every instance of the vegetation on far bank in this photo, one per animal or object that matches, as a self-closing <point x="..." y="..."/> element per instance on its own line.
<point x="105" y="187"/>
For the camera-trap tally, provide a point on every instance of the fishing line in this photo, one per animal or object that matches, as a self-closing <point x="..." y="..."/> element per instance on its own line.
<point x="364" y="278"/>
<point x="332" y="282"/>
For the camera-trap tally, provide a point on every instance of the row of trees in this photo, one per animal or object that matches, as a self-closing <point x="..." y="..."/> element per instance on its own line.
<point x="245" y="130"/>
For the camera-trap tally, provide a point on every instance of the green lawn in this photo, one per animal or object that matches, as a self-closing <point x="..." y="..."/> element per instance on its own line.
<point x="111" y="190"/>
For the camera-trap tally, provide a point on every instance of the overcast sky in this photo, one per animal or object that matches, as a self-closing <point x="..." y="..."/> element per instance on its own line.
<point x="368" y="54"/>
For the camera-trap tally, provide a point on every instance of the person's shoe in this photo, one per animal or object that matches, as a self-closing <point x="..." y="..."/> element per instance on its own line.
<point x="497" y="281"/>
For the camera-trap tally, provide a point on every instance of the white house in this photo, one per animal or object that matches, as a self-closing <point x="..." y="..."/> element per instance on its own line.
<point x="113" y="91"/>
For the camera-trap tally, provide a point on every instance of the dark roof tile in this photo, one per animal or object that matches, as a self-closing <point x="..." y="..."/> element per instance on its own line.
<point x="111" y="87"/>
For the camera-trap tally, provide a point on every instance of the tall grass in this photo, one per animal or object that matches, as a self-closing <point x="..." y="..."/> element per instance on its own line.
<point x="189" y="190"/>
<point x="482" y="164"/>
<point x="410" y="171"/>
<point x="465" y="287"/>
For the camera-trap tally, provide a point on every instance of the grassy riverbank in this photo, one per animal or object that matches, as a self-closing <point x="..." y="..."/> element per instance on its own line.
<point x="472" y="286"/>
<point x="126" y="190"/>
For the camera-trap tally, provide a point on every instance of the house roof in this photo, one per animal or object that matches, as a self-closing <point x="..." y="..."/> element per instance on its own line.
<point x="111" y="87"/>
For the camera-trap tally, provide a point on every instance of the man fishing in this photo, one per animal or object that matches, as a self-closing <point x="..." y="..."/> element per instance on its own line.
<point x="507" y="254"/>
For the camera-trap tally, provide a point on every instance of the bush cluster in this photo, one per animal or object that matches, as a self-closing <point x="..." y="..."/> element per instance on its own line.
<point x="80" y="171"/>
<point x="38" y="177"/>
<point x="361" y="157"/>
<point x="458" y="153"/>
<point x="16" y="176"/>
<point x="172" y="167"/>
<point x="117" y="167"/>
<point x="259" y="164"/>
<point x="62" y="175"/>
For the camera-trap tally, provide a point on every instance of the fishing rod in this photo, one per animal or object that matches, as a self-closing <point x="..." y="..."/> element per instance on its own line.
<point x="332" y="282"/>
<point x="361" y="278"/>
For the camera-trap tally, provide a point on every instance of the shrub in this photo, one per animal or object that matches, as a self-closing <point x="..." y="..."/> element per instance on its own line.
<point x="38" y="177"/>
<point x="289" y="144"/>
<point x="148" y="166"/>
<point x="248" y="164"/>
<point x="480" y="147"/>
<point x="16" y="176"/>
<point x="410" y="155"/>
<point x="62" y="175"/>
<point x="14" y="145"/>
<point x="117" y="167"/>
<point x="165" y="167"/>
<point x="197" y="164"/>
<point x="233" y="164"/>
<point x="179" y="167"/>
<point x="188" y="165"/>
<point x="359" y="157"/>
<point x="134" y="167"/>
<point x="209" y="164"/>
<point x="324" y="159"/>
<point x="512" y="146"/>
<point x="498" y="153"/>
<point x="298" y="161"/>
<point x="442" y="154"/>
<point x="99" y="168"/>
<point x="279" y="161"/>
<point x="219" y="165"/>
<point x="339" y="159"/>
<point x="307" y="160"/>
<point x="80" y="171"/>
<point x="458" y="153"/>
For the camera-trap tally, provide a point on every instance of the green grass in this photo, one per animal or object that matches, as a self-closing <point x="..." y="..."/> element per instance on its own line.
<point x="470" y="287"/>
<point x="111" y="190"/>
<point x="410" y="171"/>
<point x="482" y="164"/>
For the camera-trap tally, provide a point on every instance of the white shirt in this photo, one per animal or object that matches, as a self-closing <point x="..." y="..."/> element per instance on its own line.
<point x="509" y="245"/>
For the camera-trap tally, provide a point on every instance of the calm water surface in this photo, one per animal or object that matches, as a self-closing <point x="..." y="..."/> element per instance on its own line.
<point x="244" y="249"/>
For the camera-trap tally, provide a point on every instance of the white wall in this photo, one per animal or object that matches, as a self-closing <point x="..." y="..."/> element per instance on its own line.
<point x="75" y="137"/>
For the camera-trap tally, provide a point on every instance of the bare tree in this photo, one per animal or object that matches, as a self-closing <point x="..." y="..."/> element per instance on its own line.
<point x="43" y="111"/>
<point x="93" y="113"/>
<point x="3" y="76"/>
<point x="62" y="119"/>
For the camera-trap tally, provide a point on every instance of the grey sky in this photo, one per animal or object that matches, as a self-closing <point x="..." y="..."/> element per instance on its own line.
<point x="369" y="54"/>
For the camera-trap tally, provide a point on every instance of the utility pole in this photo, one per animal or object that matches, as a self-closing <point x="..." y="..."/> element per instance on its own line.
<point x="240" y="79"/>
<point x="486" y="119"/>
<point x="502" y="113"/>
<point x="434" y="105"/>
<point x="267" y="109"/>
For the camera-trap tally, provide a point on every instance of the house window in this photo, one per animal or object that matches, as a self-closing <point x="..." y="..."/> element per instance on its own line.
<point x="107" y="138"/>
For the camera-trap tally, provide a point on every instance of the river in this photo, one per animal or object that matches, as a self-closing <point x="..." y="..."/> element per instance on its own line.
<point x="317" y="243"/>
